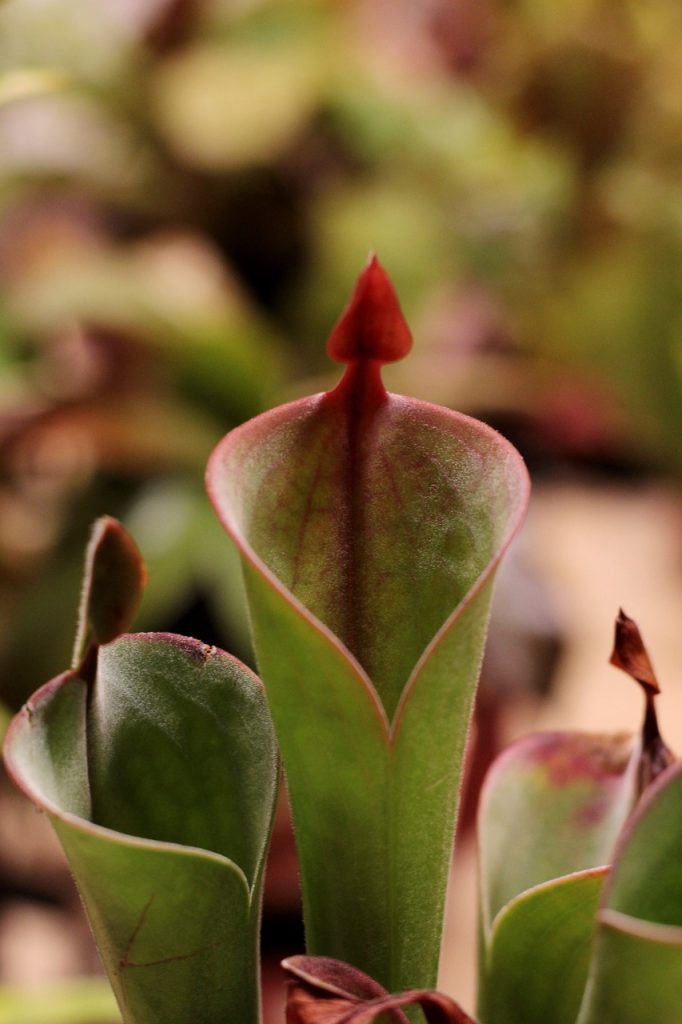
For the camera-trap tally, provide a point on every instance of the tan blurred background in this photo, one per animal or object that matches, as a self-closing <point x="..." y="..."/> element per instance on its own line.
<point x="188" y="189"/>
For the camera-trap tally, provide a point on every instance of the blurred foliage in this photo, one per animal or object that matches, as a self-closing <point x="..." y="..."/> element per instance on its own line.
<point x="187" y="190"/>
<point x="84" y="1001"/>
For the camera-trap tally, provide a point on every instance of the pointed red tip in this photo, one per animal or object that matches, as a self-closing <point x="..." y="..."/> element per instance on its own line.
<point x="372" y="326"/>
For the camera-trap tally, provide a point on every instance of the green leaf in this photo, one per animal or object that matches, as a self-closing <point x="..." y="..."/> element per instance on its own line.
<point x="636" y="974"/>
<point x="636" y="970"/>
<point x="552" y="805"/>
<point x="160" y="778"/>
<point x="370" y="527"/>
<point x="536" y="963"/>
<point x="551" y="811"/>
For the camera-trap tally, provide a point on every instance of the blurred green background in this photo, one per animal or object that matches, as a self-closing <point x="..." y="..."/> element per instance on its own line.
<point x="188" y="189"/>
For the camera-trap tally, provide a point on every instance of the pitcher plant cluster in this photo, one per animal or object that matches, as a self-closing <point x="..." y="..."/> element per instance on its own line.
<point x="370" y="527"/>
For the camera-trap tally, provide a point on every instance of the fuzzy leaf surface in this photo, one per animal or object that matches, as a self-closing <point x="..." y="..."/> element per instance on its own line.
<point x="370" y="527"/>
<point x="160" y="784"/>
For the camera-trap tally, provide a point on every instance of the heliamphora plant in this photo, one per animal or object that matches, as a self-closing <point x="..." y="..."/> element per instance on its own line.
<point x="575" y="882"/>
<point x="155" y="760"/>
<point x="370" y="527"/>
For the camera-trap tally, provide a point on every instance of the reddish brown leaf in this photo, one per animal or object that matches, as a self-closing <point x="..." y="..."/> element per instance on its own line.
<point x="630" y="655"/>
<point x="324" y="974"/>
<point x="306" y="1007"/>
<point x="327" y="991"/>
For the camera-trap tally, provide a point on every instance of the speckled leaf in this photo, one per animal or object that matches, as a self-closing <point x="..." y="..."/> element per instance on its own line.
<point x="159" y="777"/>
<point x="552" y="811"/>
<point x="370" y="527"/>
<point x="553" y="804"/>
<point x="636" y="970"/>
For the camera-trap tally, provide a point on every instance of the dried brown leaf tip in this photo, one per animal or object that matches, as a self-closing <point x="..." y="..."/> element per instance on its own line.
<point x="326" y="991"/>
<point x="630" y="655"/>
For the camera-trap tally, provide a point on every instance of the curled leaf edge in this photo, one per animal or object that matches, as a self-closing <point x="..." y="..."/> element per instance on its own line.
<point x="22" y="720"/>
<point x="390" y="729"/>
